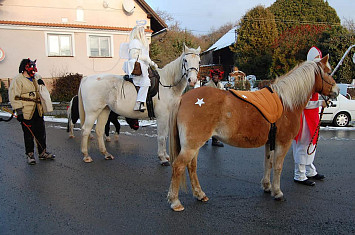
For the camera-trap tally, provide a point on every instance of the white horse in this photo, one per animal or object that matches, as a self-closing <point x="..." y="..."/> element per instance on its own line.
<point x="100" y="93"/>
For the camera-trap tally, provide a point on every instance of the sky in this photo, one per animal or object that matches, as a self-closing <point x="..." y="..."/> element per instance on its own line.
<point x="200" y="16"/>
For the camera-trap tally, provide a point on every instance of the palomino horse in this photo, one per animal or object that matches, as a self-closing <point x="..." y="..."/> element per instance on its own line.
<point x="206" y="111"/>
<point x="100" y="93"/>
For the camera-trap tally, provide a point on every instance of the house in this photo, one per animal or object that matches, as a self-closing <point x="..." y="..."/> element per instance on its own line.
<point x="219" y="55"/>
<point x="70" y="36"/>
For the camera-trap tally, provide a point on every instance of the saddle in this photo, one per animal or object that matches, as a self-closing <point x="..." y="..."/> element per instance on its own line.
<point x="265" y="100"/>
<point x="152" y="91"/>
<point x="268" y="103"/>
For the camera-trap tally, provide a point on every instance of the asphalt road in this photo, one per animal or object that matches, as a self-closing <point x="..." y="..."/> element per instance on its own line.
<point x="128" y="194"/>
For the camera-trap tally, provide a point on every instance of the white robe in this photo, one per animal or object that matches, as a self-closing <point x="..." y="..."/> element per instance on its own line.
<point x="142" y="81"/>
<point x="303" y="162"/>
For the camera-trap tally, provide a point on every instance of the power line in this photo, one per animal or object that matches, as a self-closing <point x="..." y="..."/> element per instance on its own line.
<point x="290" y="21"/>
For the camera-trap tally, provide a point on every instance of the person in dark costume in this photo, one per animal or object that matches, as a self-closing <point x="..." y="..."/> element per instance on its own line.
<point x="25" y="100"/>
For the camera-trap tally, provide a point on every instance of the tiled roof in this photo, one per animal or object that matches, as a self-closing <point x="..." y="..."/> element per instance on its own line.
<point x="78" y="26"/>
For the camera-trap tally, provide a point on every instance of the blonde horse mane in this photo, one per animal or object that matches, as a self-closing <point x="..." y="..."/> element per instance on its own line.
<point x="295" y="87"/>
<point x="171" y="70"/>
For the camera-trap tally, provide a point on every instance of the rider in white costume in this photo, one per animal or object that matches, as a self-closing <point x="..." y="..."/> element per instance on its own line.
<point x="139" y="50"/>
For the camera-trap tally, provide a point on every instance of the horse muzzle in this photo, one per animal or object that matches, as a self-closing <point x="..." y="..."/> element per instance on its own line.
<point x="334" y="92"/>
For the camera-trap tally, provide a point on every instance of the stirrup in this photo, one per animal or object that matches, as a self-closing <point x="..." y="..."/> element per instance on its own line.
<point x="139" y="106"/>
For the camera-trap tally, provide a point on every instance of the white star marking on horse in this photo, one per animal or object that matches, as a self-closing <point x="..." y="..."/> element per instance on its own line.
<point x="200" y="102"/>
<point x="244" y="96"/>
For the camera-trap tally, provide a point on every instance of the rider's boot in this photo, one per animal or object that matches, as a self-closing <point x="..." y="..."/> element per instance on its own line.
<point x="139" y="106"/>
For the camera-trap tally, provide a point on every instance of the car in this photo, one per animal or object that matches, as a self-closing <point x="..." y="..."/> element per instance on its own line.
<point x="340" y="113"/>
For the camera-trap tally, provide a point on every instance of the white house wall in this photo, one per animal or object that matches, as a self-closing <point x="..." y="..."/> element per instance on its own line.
<point x="24" y="41"/>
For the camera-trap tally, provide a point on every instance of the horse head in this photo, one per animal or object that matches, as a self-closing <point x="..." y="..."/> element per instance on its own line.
<point x="325" y="84"/>
<point x="191" y="64"/>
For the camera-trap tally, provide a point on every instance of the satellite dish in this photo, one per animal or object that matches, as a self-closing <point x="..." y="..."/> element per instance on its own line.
<point x="128" y="6"/>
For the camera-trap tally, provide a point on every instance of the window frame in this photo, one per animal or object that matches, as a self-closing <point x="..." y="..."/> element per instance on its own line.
<point x="59" y="34"/>
<point x="110" y="40"/>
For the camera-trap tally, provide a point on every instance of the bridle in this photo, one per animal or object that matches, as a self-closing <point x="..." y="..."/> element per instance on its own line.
<point x="321" y="71"/>
<point x="185" y="70"/>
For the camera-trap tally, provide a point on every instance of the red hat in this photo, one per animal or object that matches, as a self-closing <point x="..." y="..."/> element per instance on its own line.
<point x="216" y="72"/>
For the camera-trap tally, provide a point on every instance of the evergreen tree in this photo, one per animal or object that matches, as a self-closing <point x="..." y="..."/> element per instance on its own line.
<point x="256" y="34"/>
<point x="336" y="47"/>
<point x="301" y="25"/>
<point x="292" y="13"/>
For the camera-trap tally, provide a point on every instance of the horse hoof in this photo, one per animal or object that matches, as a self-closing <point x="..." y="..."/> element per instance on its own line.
<point x="109" y="157"/>
<point x="268" y="191"/>
<point x="178" y="208"/>
<point x="204" y="199"/>
<point x="165" y="164"/>
<point x="280" y="199"/>
<point x="87" y="159"/>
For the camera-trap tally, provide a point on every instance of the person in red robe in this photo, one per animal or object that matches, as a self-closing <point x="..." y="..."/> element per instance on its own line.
<point x="305" y="171"/>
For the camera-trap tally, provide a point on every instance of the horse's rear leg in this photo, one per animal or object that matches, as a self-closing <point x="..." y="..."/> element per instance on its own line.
<point x="195" y="184"/>
<point x="265" y="182"/>
<point x="178" y="176"/>
<point x="280" y="153"/>
<point x="71" y="129"/>
<point x="100" y="130"/>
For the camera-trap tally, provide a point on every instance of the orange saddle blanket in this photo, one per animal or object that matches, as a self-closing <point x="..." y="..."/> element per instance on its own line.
<point x="265" y="100"/>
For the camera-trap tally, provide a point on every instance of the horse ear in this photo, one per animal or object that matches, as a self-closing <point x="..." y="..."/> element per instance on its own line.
<point x="185" y="48"/>
<point x="199" y="49"/>
<point x="325" y="59"/>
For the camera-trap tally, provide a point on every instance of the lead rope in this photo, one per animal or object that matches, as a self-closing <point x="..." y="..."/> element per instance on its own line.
<point x="28" y="126"/>
<point x="315" y="133"/>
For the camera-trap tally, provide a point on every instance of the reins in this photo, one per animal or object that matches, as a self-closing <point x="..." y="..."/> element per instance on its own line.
<point x="315" y="133"/>
<point x="320" y="117"/>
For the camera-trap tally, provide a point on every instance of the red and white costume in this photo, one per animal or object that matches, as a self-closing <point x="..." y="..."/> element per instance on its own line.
<point x="309" y="121"/>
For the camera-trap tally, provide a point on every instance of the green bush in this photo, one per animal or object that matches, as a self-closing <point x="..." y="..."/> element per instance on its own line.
<point x="65" y="87"/>
<point x="4" y="93"/>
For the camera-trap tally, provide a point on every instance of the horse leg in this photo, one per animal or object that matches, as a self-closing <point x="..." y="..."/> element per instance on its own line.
<point x="71" y="129"/>
<point x="162" y="137"/>
<point x="100" y="130"/>
<point x="279" y="156"/>
<point x="265" y="182"/>
<point x="178" y="176"/>
<point x="195" y="184"/>
<point x="86" y="131"/>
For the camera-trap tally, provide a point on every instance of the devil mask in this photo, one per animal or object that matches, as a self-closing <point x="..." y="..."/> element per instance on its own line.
<point x="29" y="66"/>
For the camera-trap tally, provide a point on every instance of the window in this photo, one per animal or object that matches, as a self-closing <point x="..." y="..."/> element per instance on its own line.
<point x="59" y="45"/>
<point x="99" y="46"/>
<point x="79" y="14"/>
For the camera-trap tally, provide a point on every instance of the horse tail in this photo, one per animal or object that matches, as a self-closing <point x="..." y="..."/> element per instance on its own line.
<point x="81" y="107"/>
<point x="174" y="141"/>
